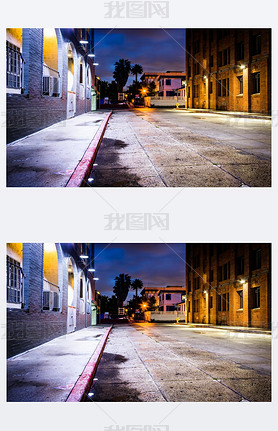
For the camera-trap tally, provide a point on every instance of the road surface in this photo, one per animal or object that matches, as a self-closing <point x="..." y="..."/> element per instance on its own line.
<point x="168" y="362"/>
<point x="168" y="148"/>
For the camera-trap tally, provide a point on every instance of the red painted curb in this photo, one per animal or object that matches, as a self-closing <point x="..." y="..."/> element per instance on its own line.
<point x="83" y="383"/>
<point x="82" y="170"/>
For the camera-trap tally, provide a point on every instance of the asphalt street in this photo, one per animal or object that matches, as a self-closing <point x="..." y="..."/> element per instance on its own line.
<point x="169" y="148"/>
<point x="168" y="362"/>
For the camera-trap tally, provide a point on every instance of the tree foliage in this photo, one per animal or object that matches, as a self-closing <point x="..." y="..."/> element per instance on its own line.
<point x="121" y="288"/>
<point x="136" y="70"/>
<point x="121" y="73"/>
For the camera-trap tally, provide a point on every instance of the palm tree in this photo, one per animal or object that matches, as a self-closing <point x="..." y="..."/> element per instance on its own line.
<point x="136" y="285"/>
<point x="121" y="73"/>
<point x="121" y="288"/>
<point x="137" y="69"/>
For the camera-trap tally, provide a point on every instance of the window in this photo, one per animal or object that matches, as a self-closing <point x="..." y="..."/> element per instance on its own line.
<point x="189" y="286"/>
<point x="196" y="283"/>
<point x="224" y="87"/>
<point x="14" y="281"/>
<point x="219" y="87"/>
<point x="196" y="261"/>
<point x="13" y="66"/>
<point x="239" y="265"/>
<point x="170" y="308"/>
<point x="211" y="275"/>
<point x="224" y="304"/>
<point x="219" y="59"/>
<point x="81" y="72"/>
<point x="189" y="310"/>
<point x="196" y="67"/>
<point x="170" y="93"/>
<point x="256" y="258"/>
<point x="196" y="46"/>
<point x="240" y="81"/>
<point x="189" y="71"/>
<point x="255" y="77"/>
<point x="211" y="61"/>
<point x="167" y="81"/>
<point x="226" y="56"/>
<point x="211" y="302"/>
<point x="219" y="299"/>
<point x="226" y="271"/>
<point x="240" y="297"/>
<point x="168" y="296"/>
<point x="196" y="305"/>
<point x="220" y="273"/>
<point x="256" y="44"/>
<point x="188" y="92"/>
<point x="240" y="51"/>
<point x="256" y="297"/>
<point x="210" y="88"/>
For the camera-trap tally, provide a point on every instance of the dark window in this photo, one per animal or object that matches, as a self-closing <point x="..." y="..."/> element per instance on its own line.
<point x="219" y="87"/>
<point x="224" y="302"/>
<point x="196" y="305"/>
<point x="81" y="73"/>
<point x="196" y="261"/>
<point x="219" y="298"/>
<point x="170" y="308"/>
<point x="210" y="302"/>
<point x="224" y="87"/>
<point x="189" y="286"/>
<point x="196" y="90"/>
<point x="196" y="283"/>
<point x="211" y="249"/>
<point x="167" y="81"/>
<point x="210" y="88"/>
<point x="188" y="92"/>
<point x="189" y="71"/>
<point x="188" y="306"/>
<point x="256" y="81"/>
<point x="211" y="275"/>
<point x="256" y="258"/>
<point x="257" y="44"/>
<point x="225" y="57"/>
<point x="170" y="93"/>
<point x="239" y="265"/>
<point x="240" y="51"/>
<point x="196" y="46"/>
<point x="256" y="297"/>
<point x="219" y="59"/>
<point x="211" y="61"/>
<point x="226" y="271"/>
<point x="240" y="81"/>
<point x="168" y="296"/>
<point x="196" y="67"/>
<point x="220" y="273"/>
<point x="240" y="295"/>
<point x="228" y="86"/>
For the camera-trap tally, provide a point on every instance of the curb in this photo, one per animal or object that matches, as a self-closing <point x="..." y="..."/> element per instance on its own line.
<point x="82" y="170"/>
<point x="228" y="113"/>
<point x="249" y="331"/>
<point x="83" y="383"/>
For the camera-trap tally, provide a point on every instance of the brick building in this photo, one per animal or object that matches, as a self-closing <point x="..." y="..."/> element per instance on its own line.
<point x="229" y="69"/>
<point x="229" y="284"/>
<point x="50" y="292"/>
<point x="50" y="76"/>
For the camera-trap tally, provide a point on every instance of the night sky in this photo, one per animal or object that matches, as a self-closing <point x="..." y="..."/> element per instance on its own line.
<point x="154" y="49"/>
<point x="155" y="264"/>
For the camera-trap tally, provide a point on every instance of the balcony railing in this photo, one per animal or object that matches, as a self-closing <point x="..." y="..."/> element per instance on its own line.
<point x="14" y="282"/>
<point x="51" y="296"/>
<point x="14" y="67"/>
<point x="51" y="82"/>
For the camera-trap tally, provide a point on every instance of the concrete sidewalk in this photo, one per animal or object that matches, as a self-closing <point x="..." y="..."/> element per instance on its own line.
<point x="48" y="158"/>
<point x="228" y="328"/>
<point x="49" y="372"/>
<point x="237" y="114"/>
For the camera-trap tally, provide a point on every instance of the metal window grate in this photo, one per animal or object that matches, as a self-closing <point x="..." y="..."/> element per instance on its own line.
<point x="14" y="66"/>
<point x="51" y="296"/>
<point x="51" y="82"/>
<point x="14" y="281"/>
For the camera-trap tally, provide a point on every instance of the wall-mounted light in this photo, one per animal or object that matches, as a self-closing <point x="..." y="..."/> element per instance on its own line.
<point x="242" y="66"/>
<point x="95" y="64"/>
<point x="83" y="256"/>
<point x="205" y="76"/>
<point x="91" y="55"/>
<point x="91" y="270"/>
<point x="95" y="278"/>
<point x="242" y="281"/>
<point x="84" y="42"/>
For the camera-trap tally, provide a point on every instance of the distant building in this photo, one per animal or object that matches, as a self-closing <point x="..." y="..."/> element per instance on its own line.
<point x="149" y="77"/>
<point x="229" y="284"/>
<point x="170" y="297"/>
<point x="50" y="76"/>
<point x="229" y="69"/>
<point x="50" y="292"/>
<point x="169" y="82"/>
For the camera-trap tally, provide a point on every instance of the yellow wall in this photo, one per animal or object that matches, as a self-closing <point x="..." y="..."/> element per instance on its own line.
<point x="50" y="263"/>
<point x="14" y="250"/>
<point x="14" y="35"/>
<point x="50" y="48"/>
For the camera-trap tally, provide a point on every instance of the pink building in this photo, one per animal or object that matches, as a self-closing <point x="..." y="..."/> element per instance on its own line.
<point x="170" y="82"/>
<point x="170" y="297"/>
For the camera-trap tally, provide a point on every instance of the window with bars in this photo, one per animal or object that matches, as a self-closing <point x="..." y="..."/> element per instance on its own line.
<point x="256" y="297"/>
<point x="14" y="281"/>
<point x="14" y="69"/>
<point x="256" y="82"/>
<point x="240" y="82"/>
<point x="240" y="298"/>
